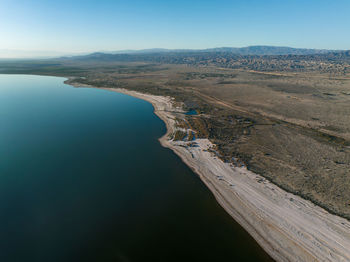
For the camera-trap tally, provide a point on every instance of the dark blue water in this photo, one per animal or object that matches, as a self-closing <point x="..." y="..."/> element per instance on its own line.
<point x="84" y="178"/>
<point x="191" y="112"/>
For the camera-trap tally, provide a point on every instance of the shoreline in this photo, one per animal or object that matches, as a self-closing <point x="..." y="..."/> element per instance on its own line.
<point x="286" y="226"/>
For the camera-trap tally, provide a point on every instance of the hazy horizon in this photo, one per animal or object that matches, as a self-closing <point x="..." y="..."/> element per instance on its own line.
<point x="41" y="28"/>
<point x="36" y="54"/>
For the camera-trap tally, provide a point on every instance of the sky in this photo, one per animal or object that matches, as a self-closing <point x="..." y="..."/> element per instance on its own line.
<point x="49" y="27"/>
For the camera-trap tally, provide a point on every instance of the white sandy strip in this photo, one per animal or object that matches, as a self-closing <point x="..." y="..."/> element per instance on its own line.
<point x="288" y="227"/>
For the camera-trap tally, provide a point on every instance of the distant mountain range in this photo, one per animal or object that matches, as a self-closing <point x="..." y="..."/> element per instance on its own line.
<point x="258" y="50"/>
<point x="249" y="50"/>
<point x="213" y="55"/>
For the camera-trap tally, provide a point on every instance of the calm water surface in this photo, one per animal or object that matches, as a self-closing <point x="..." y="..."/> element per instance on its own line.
<point x="84" y="178"/>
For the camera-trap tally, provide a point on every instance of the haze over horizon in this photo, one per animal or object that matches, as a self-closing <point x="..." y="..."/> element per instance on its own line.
<point x="44" y="28"/>
<point x="38" y="54"/>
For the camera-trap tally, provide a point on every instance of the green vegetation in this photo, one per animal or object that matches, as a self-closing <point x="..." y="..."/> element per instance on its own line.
<point x="179" y="135"/>
<point x="191" y="136"/>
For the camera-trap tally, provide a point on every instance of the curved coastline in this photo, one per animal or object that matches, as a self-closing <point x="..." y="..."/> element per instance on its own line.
<point x="286" y="226"/>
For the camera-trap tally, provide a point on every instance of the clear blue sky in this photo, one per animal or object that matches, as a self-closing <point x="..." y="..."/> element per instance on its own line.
<point x="85" y="25"/>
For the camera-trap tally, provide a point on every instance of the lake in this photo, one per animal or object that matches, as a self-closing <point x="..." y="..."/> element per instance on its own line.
<point x="83" y="177"/>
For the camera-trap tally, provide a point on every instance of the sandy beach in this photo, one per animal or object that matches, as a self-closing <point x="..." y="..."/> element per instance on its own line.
<point x="288" y="227"/>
